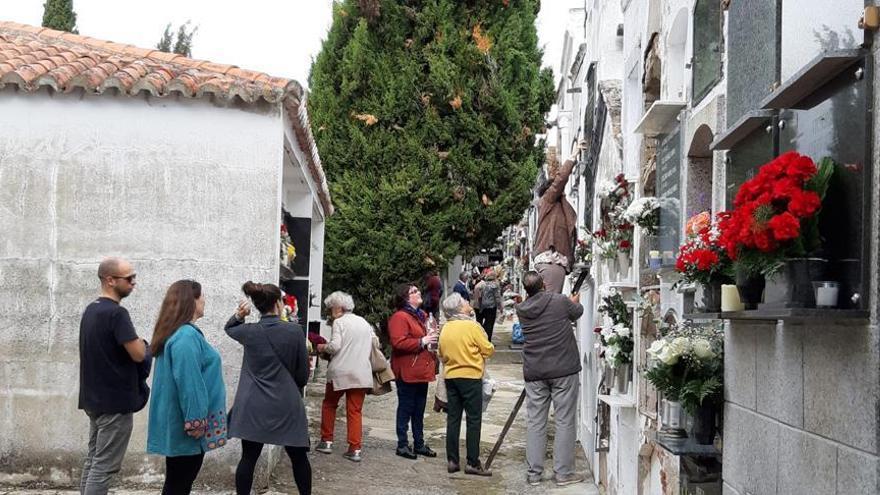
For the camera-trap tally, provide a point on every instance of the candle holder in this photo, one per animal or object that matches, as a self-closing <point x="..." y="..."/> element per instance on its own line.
<point x="826" y="294"/>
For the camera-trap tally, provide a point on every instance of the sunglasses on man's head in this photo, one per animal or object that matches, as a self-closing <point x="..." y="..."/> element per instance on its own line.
<point x="127" y="278"/>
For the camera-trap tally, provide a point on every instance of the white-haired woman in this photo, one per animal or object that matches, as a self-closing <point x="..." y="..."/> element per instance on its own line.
<point x="463" y="348"/>
<point x="349" y="372"/>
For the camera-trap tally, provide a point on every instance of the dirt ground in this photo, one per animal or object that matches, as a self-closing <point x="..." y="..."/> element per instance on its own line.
<point x="383" y="472"/>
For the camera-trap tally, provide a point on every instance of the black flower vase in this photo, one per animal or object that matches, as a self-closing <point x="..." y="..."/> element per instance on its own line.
<point x="750" y="288"/>
<point x="704" y="424"/>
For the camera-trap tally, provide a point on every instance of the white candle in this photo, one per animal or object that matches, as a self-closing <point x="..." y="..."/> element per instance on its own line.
<point x="826" y="297"/>
<point x="730" y="299"/>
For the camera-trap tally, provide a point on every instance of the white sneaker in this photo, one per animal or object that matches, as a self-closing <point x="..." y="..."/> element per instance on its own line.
<point x="325" y="447"/>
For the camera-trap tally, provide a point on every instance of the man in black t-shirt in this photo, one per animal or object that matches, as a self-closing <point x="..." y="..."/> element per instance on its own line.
<point x="113" y="360"/>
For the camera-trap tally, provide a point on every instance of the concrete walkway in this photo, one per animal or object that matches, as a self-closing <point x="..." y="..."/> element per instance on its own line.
<point x="383" y="472"/>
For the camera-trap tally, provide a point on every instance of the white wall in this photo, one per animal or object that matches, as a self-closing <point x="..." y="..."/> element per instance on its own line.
<point x="182" y="188"/>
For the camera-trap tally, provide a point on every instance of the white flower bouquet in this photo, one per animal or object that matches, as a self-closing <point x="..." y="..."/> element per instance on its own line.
<point x="687" y="365"/>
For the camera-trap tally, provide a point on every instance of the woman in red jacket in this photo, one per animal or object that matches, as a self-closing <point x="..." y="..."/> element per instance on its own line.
<point x="413" y="364"/>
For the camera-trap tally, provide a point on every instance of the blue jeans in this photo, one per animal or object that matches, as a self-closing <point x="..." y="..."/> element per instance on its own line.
<point x="411" y="399"/>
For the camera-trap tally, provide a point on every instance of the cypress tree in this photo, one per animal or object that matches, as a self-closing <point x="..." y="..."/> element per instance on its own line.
<point x="425" y="114"/>
<point x="59" y="14"/>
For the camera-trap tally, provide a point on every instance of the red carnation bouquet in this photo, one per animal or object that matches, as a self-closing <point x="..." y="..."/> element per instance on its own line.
<point x="775" y="214"/>
<point x="702" y="259"/>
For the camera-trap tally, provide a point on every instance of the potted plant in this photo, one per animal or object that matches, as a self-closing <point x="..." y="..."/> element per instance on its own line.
<point x="687" y="366"/>
<point x="702" y="260"/>
<point x="644" y="212"/>
<point x="616" y="339"/>
<point x="773" y="232"/>
<point x="607" y="252"/>
<point x="624" y="236"/>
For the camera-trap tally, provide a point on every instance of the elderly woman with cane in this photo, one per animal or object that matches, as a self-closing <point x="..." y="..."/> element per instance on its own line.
<point x="463" y="348"/>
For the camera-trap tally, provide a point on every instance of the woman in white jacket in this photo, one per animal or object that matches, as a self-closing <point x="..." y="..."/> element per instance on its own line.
<point x="349" y="372"/>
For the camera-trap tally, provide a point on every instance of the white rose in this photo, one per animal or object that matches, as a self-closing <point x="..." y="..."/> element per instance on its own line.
<point x="622" y="330"/>
<point x="681" y="345"/>
<point x="668" y="356"/>
<point x="703" y="349"/>
<point x="607" y="332"/>
<point x="656" y="347"/>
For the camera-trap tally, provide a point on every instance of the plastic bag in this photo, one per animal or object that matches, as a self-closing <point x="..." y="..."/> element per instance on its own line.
<point x="517" y="336"/>
<point x="489" y="387"/>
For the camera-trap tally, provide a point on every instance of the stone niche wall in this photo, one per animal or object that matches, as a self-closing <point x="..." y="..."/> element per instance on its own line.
<point x="801" y="409"/>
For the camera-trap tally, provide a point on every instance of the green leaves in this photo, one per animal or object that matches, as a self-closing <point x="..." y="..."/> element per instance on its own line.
<point x="415" y="125"/>
<point x="59" y="14"/>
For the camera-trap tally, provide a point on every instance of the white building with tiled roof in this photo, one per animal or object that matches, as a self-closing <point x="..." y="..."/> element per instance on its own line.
<point x="187" y="168"/>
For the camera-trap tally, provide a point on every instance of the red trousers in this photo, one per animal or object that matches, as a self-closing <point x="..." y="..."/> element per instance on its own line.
<point x="354" y="402"/>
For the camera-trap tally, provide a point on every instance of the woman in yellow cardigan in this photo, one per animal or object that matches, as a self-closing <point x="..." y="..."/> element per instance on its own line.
<point x="463" y="347"/>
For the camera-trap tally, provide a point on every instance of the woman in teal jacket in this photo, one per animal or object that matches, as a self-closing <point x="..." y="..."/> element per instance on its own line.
<point x="188" y="406"/>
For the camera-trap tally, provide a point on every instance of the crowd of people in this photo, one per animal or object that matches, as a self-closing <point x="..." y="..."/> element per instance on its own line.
<point x="188" y="415"/>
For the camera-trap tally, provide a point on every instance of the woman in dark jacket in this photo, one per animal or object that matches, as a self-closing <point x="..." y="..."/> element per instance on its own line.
<point x="268" y="405"/>
<point x="413" y="364"/>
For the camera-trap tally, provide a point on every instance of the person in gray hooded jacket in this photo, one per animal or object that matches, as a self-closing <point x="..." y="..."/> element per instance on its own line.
<point x="550" y="369"/>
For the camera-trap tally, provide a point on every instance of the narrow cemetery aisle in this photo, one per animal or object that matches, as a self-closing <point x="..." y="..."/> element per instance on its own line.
<point x="383" y="472"/>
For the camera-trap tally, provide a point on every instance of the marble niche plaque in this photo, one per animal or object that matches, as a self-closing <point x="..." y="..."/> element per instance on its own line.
<point x="669" y="191"/>
<point x="753" y="54"/>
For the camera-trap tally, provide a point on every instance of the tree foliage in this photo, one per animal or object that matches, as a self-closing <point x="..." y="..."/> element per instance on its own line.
<point x="182" y="44"/>
<point x="425" y="114"/>
<point x="59" y="14"/>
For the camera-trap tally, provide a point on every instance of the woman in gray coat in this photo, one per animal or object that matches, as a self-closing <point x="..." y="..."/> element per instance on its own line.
<point x="268" y="405"/>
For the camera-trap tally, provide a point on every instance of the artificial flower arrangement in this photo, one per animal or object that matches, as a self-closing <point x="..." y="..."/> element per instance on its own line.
<point x="614" y="192"/>
<point x="644" y="212"/>
<point x="583" y="249"/>
<point x="606" y="244"/>
<point x="616" y="233"/>
<point x="616" y="340"/>
<point x="775" y="214"/>
<point x="290" y="308"/>
<point x="702" y="259"/>
<point x="687" y="365"/>
<point x="288" y="251"/>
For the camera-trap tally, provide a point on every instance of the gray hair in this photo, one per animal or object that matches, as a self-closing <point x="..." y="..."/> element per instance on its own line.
<point x="452" y="305"/>
<point x="339" y="299"/>
<point x="463" y="276"/>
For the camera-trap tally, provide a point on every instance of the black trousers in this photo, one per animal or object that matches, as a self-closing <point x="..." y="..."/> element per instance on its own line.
<point x="411" y="399"/>
<point x="250" y="454"/>
<point x="180" y="473"/>
<point x="486" y="319"/>
<point x="464" y="394"/>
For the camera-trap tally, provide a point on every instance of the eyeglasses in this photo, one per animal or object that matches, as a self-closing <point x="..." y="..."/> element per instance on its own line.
<point x="414" y="291"/>
<point x="127" y="278"/>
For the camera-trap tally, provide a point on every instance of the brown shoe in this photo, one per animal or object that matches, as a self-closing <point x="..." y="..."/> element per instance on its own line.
<point x="453" y="467"/>
<point x="477" y="470"/>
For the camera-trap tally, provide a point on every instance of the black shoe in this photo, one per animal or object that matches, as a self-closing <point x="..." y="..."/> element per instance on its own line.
<point x="477" y="470"/>
<point x="426" y="451"/>
<point x="406" y="452"/>
<point x="453" y="467"/>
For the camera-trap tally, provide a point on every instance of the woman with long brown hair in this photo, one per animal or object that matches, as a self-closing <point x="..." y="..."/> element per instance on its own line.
<point x="269" y="405"/>
<point x="188" y="407"/>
